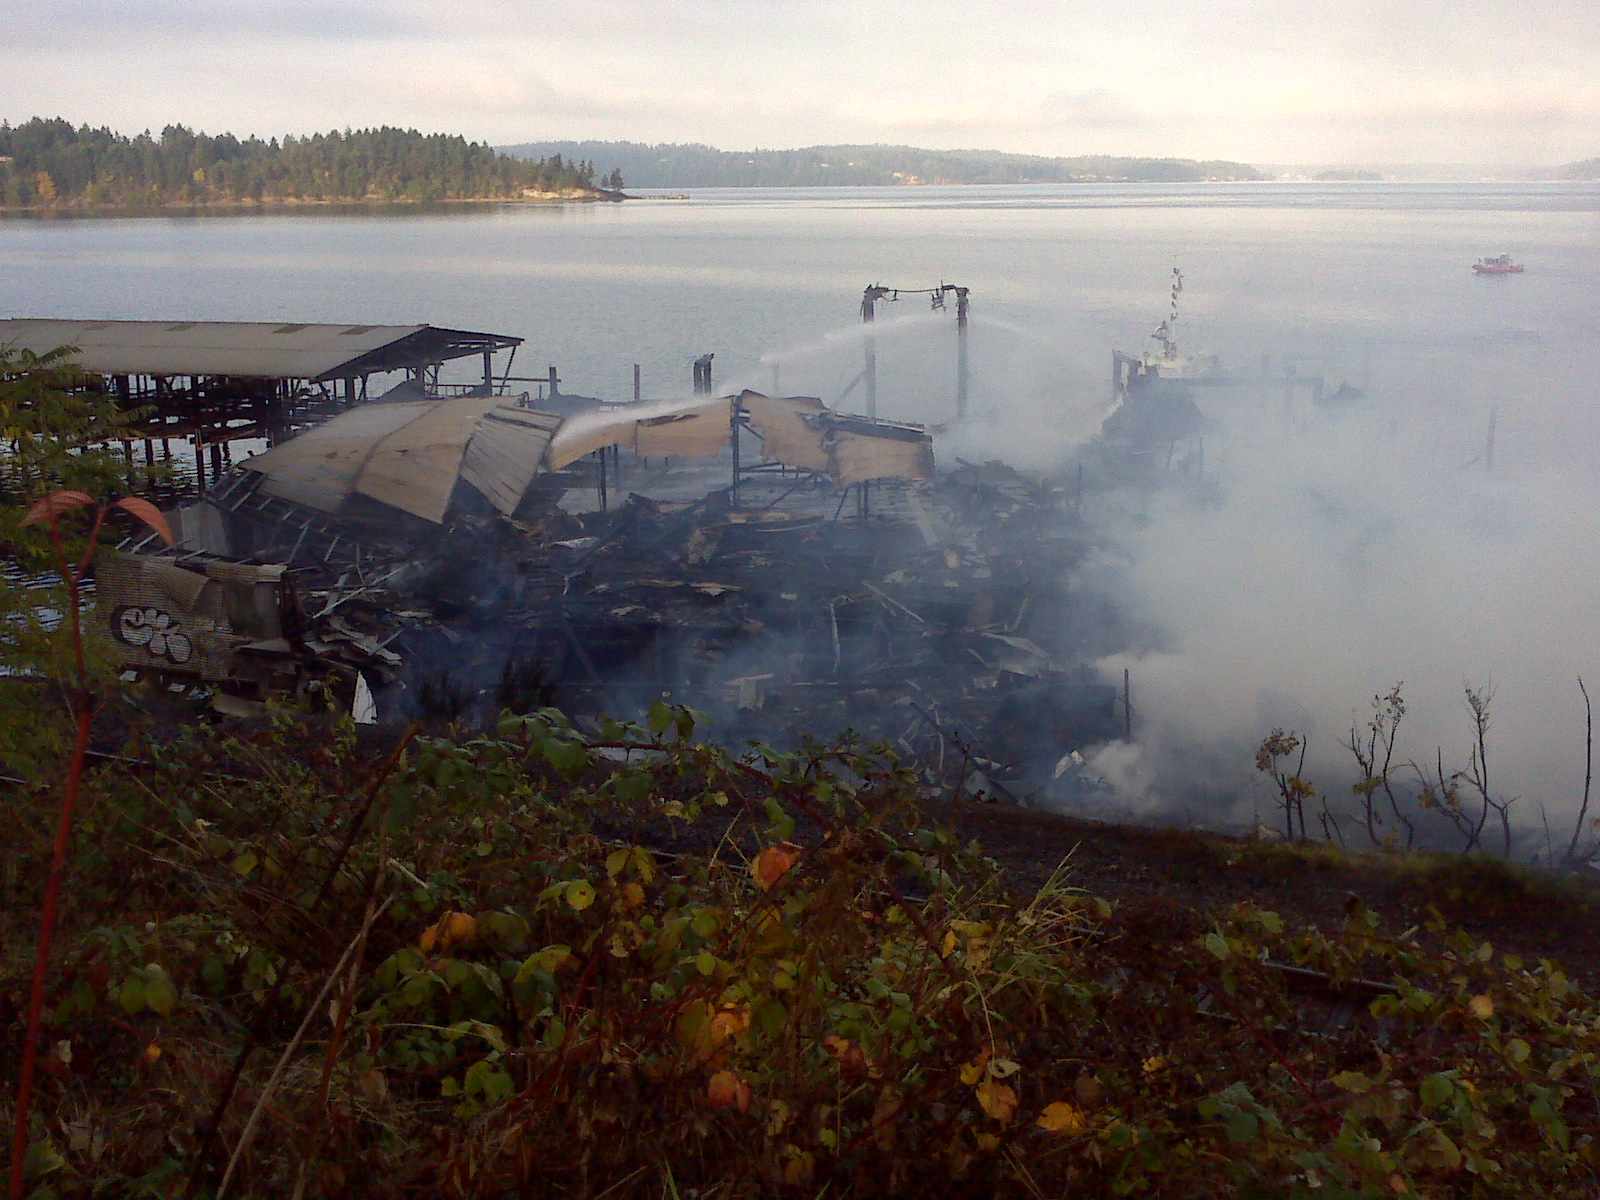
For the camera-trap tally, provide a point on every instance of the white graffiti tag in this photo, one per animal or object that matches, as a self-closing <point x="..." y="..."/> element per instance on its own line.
<point x="156" y="632"/>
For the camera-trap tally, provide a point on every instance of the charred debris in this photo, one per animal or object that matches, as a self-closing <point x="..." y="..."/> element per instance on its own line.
<point x="830" y="581"/>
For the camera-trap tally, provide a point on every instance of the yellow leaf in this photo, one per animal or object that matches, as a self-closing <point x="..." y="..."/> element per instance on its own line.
<point x="1482" y="1007"/>
<point x="797" y="1166"/>
<point x="778" y="1114"/>
<point x="973" y="1071"/>
<point x="1153" y="1065"/>
<point x="988" y="1142"/>
<point x="1003" y="1068"/>
<point x="728" y="1023"/>
<point x="773" y="863"/>
<point x="1062" y="1117"/>
<point x="580" y="895"/>
<point x="997" y="1099"/>
<point x="949" y="947"/>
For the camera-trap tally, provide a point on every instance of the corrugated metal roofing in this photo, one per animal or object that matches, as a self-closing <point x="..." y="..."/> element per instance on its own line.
<point x="252" y="349"/>
<point x="409" y="455"/>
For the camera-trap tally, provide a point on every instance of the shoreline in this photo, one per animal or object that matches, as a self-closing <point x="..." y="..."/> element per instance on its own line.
<point x="298" y="204"/>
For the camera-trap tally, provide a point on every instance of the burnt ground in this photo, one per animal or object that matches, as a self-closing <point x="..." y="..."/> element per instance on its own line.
<point x="1185" y="875"/>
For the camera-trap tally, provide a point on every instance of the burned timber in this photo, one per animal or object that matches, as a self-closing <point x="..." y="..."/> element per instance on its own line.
<point x="447" y="553"/>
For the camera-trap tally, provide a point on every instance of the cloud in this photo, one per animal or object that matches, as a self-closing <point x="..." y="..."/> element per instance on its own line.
<point x="1242" y="79"/>
<point x="1096" y="109"/>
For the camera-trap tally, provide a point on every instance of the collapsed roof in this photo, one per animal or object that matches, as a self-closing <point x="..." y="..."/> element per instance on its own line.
<point x="248" y="349"/>
<point x="410" y="455"/>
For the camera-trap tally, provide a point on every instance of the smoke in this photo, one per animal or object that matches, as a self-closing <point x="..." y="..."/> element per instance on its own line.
<point x="1325" y="558"/>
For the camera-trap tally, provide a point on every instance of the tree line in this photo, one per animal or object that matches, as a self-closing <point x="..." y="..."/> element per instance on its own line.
<point x="673" y="165"/>
<point x="47" y="163"/>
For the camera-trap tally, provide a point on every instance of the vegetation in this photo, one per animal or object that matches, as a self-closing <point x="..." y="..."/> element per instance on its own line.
<point x="549" y="961"/>
<point x="1589" y="168"/>
<point x="669" y="165"/>
<point x="1400" y="804"/>
<point x="47" y="164"/>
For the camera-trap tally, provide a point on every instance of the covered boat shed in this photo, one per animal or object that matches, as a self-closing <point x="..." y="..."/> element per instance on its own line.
<point x="206" y="376"/>
<point x="218" y="381"/>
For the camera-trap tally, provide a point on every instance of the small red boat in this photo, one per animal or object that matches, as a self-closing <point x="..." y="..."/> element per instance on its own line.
<point x="1500" y="264"/>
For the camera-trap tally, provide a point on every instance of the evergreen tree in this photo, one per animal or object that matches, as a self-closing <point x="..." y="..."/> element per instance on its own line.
<point x="51" y="164"/>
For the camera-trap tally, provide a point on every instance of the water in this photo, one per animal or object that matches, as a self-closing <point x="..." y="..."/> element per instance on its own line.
<point x="1359" y="273"/>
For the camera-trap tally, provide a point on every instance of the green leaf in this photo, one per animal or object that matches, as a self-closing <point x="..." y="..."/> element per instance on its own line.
<point x="770" y="1018"/>
<point x="159" y="994"/>
<point x="1518" y="1050"/>
<point x="566" y="757"/>
<point x="580" y="894"/>
<point x="1436" y="1089"/>
<point x="131" y="994"/>
<point x="1218" y="945"/>
<point x="782" y="822"/>
<point x="1242" y="1126"/>
<point x="660" y="718"/>
<point x="1352" y="1081"/>
<point x="704" y="924"/>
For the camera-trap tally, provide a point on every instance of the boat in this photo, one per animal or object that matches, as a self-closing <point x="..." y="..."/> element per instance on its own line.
<point x="1499" y="264"/>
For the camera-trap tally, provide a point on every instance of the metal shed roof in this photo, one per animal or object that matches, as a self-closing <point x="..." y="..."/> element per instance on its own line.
<point x="251" y="349"/>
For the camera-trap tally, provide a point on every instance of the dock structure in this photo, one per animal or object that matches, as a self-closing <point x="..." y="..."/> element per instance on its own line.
<point x="213" y="382"/>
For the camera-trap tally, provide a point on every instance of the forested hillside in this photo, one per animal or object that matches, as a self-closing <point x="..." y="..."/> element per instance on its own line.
<point x="672" y="165"/>
<point x="48" y="163"/>
<point x="1589" y="168"/>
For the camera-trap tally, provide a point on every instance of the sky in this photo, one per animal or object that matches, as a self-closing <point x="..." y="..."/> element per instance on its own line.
<point x="1503" y="82"/>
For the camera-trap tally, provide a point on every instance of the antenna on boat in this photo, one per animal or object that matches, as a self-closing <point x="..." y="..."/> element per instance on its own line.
<point x="1166" y="332"/>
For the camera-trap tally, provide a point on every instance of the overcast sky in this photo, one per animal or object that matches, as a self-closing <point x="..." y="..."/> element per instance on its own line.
<point x="1289" y="81"/>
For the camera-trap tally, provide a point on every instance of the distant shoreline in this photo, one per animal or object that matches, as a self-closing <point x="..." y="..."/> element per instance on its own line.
<point x="294" y="204"/>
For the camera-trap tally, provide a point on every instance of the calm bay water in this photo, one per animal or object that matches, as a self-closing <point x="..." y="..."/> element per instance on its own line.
<point x="1351" y="279"/>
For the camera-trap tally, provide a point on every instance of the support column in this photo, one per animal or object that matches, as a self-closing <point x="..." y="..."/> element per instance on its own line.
<point x="961" y="353"/>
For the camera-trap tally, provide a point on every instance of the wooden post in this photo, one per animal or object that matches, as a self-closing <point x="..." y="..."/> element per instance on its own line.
<point x="636" y="388"/>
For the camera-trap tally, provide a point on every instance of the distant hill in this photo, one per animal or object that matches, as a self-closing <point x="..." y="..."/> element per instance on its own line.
<point x="1589" y="168"/>
<point x="671" y="165"/>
